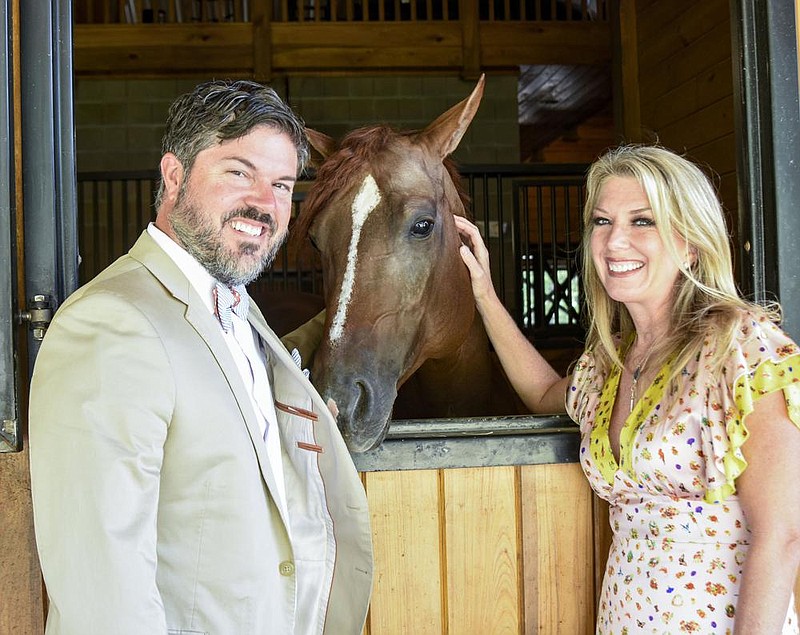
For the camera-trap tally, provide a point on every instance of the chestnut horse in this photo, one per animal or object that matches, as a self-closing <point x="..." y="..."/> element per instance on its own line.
<point x="400" y="310"/>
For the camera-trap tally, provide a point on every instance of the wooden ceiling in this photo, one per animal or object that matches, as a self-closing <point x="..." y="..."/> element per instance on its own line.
<point x="555" y="99"/>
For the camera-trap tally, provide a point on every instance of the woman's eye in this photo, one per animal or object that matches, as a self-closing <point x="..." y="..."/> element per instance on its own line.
<point x="644" y="222"/>
<point x="422" y="228"/>
<point x="597" y="221"/>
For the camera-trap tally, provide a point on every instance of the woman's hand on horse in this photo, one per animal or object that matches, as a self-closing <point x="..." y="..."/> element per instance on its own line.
<point x="476" y="256"/>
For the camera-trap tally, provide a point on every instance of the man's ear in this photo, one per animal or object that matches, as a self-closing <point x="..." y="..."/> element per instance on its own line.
<point x="172" y="175"/>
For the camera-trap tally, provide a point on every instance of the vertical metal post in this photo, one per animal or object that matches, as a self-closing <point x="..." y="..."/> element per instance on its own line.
<point x="48" y="152"/>
<point x="10" y="439"/>
<point x="768" y="161"/>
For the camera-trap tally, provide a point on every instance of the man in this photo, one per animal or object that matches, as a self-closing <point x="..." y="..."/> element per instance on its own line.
<point x="186" y="476"/>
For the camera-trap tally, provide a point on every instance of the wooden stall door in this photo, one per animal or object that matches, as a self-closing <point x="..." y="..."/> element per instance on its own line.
<point x="482" y="550"/>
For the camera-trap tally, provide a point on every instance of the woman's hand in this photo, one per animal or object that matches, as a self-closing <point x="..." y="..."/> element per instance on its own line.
<point x="536" y="382"/>
<point x="476" y="256"/>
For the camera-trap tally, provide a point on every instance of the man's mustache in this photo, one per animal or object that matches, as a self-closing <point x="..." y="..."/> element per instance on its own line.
<point x="251" y="213"/>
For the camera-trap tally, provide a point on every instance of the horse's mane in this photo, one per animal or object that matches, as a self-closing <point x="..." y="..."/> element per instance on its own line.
<point x="355" y="150"/>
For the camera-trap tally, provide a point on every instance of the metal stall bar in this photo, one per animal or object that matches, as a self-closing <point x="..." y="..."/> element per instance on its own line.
<point x="48" y="155"/>
<point x="10" y="439"/>
<point x="766" y="101"/>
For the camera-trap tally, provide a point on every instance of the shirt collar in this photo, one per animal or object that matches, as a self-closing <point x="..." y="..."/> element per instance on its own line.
<point x="202" y="281"/>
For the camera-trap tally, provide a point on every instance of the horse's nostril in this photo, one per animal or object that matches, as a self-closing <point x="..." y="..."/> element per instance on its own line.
<point x="361" y="402"/>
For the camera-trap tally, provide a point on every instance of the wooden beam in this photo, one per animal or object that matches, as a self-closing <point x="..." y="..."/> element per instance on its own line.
<point x="381" y="47"/>
<point x="625" y="67"/>
<point x="269" y="48"/>
<point x="470" y="39"/>
<point x="262" y="43"/>
<point x="163" y="49"/>
<point x="507" y="44"/>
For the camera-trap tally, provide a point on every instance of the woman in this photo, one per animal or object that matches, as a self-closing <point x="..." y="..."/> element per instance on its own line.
<point x="688" y="402"/>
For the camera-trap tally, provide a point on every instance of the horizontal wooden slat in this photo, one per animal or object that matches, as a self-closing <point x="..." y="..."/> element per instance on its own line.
<point x="185" y="49"/>
<point x="700" y="127"/>
<point x="685" y="63"/>
<point x="701" y="19"/>
<point x="379" y="46"/>
<point x="162" y="49"/>
<point x="719" y="155"/>
<point x="704" y="89"/>
<point x="571" y="43"/>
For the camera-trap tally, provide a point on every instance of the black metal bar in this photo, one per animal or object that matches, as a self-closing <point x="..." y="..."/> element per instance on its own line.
<point x="766" y="110"/>
<point x="10" y="439"/>
<point x="48" y="152"/>
<point x="491" y="190"/>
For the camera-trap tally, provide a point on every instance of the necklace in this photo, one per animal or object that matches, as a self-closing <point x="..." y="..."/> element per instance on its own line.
<point x="637" y="372"/>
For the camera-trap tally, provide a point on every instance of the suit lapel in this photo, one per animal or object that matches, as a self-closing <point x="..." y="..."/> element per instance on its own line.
<point x="147" y="251"/>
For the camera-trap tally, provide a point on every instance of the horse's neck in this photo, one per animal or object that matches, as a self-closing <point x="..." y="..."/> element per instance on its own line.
<point x="460" y="384"/>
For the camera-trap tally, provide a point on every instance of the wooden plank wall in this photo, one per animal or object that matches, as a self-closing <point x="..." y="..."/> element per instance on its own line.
<point x="482" y="550"/>
<point x="686" y="84"/>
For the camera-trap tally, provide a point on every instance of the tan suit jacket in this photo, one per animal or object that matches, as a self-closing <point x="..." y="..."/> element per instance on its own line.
<point x="152" y="491"/>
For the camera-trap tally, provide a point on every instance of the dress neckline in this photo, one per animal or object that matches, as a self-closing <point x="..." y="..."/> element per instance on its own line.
<point x="599" y="438"/>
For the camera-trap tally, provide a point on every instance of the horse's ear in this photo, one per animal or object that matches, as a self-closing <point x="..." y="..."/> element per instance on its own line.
<point x="444" y="134"/>
<point x="322" y="143"/>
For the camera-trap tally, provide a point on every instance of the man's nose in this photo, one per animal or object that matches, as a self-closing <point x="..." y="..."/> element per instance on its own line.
<point x="262" y="196"/>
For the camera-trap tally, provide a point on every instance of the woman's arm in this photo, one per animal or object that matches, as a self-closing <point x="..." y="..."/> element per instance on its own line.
<point x="770" y="497"/>
<point x="536" y="382"/>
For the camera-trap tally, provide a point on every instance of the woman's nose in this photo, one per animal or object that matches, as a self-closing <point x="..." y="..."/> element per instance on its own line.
<point x="619" y="236"/>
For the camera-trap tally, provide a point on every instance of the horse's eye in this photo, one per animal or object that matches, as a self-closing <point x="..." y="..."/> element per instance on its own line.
<point x="422" y="228"/>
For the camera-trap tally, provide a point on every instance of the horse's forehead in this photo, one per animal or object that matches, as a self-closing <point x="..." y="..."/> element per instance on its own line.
<point x="406" y="170"/>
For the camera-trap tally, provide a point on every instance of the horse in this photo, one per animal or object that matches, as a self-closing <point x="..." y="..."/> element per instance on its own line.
<point x="399" y="306"/>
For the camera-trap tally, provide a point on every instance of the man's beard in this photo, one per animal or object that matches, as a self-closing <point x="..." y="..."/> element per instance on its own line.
<point x="203" y="241"/>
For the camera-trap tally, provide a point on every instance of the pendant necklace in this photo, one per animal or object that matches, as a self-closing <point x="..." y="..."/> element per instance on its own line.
<point x="635" y="375"/>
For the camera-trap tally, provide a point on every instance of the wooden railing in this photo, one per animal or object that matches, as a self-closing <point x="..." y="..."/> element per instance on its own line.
<point x="212" y="11"/>
<point x="260" y="39"/>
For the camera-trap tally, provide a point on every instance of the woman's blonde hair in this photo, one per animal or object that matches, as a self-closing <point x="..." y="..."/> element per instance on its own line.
<point x="706" y="302"/>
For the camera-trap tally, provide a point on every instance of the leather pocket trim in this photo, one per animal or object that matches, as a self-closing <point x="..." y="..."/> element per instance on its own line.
<point x="299" y="412"/>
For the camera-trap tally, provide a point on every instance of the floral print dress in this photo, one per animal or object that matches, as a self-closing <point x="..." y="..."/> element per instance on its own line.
<point x="679" y="533"/>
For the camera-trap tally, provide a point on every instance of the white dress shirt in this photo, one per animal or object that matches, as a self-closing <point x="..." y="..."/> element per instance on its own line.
<point x="249" y="357"/>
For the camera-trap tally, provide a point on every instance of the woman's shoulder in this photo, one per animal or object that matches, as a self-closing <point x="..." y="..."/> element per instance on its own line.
<point x="757" y="327"/>
<point x="756" y="339"/>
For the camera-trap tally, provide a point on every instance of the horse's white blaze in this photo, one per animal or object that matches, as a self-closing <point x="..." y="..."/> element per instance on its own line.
<point x="365" y="201"/>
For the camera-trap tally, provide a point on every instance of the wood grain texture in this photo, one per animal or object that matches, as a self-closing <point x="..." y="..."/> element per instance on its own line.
<point x="144" y="49"/>
<point x="483" y="577"/>
<point x="21" y="609"/>
<point x="557" y="550"/>
<point x="405" y="514"/>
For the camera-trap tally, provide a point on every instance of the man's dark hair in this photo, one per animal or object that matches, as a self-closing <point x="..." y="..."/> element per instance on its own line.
<point x="222" y="110"/>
